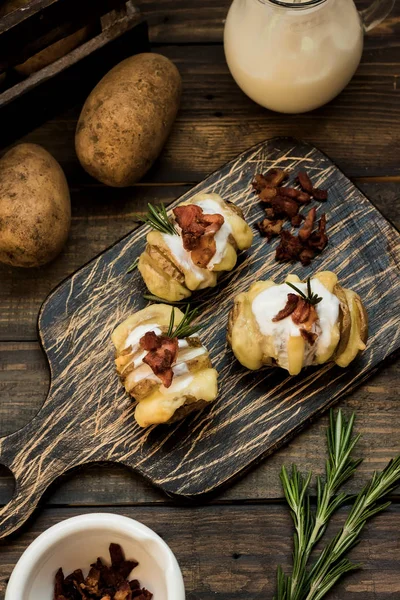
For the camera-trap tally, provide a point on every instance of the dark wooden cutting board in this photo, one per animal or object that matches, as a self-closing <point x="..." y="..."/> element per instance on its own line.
<point x="88" y="417"/>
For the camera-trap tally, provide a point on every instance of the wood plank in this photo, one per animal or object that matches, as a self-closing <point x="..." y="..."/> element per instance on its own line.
<point x="23" y="388"/>
<point x="217" y="121"/>
<point x="231" y="553"/>
<point x="186" y="22"/>
<point x="101" y="216"/>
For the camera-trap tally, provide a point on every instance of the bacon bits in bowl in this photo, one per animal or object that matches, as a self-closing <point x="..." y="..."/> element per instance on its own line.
<point x="97" y="556"/>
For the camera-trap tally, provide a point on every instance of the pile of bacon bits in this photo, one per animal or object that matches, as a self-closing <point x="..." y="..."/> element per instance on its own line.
<point x="283" y="204"/>
<point x="198" y="231"/>
<point x="102" y="582"/>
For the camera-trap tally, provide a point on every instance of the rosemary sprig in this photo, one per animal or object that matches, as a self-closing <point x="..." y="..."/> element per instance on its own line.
<point x="331" y="565"/>
<point x="184" y="328"/>
<point x="314" y="583"/>
<point x="158" y="219"/>
<point x="309" y="527"/>
<point x="133" y="265"/>
<point x="311" y="298"/>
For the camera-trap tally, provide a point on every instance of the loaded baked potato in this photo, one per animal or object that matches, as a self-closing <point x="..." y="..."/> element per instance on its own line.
<point x="206" y="235"/>
<point x="165" y="368"/>
<point x="310" y="324"/>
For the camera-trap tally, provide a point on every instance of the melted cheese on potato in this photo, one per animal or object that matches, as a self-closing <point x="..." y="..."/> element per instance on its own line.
<point x="257" y="340"/>
<point x="234" y="229"/>
<point x="193" y="380"/>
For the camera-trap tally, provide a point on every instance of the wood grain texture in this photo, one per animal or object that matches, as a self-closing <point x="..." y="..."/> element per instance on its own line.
<point x="231" y="553"/>
<point x="87" y="417"/>
<point x="23" y="387"/>
<point x="183" y="21"/>
<point x="217" y="121"/>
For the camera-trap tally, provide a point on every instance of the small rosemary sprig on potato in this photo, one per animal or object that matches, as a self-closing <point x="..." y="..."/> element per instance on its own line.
<point x="158" y="219"/>
<point x="184" y="328"/>
<point x="311" y="298"/>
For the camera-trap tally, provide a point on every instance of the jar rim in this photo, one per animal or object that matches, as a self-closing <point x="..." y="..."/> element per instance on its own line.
<point x="294" y="5"/>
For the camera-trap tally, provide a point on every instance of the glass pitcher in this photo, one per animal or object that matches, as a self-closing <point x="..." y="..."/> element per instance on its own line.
<point x="293" y="56"/>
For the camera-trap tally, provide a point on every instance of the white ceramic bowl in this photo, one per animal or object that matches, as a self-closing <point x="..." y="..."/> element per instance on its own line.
<point x="77" y="542"/>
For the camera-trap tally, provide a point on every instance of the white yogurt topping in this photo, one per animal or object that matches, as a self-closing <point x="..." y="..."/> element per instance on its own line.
<point x="144" y="371"/>
<point x="183" y="257"/>
<point x="137" y="333"/>
<point x="268" y="304"/>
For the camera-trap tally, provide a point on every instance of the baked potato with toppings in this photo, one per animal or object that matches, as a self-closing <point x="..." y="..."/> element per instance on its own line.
<point x="313" y="323"/>
<point x="168" y="377"/>
<point x="173" y="269"/>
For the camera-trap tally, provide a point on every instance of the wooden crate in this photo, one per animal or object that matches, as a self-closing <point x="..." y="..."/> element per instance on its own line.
<point x="117" y="31"/>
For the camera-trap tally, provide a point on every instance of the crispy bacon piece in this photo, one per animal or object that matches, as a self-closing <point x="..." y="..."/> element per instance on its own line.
<point x="309" y="336"/>
<point x="287" y="310"/>
<point x="306" y="256"/>
<point x="270" y="213"/>
<point x="284" y="206"/>
<point x="319" y="194"/>
<point x="259" y="183"/>
<point x="288" y="192"/>
<point x="318" y="240"/>
<point x="206" y="248"/>
<point x="124" y="592"/>
<point x="304" y="314"/>
<point x="305" y="182"/>
<point x="269" y="229"/>
<point x="268" y="193"/>
<point x="161" y="354"/>
<point x="306" y="230"/>
<point x="198" y="230"/>
<point x="303" y="198"/>
<point x="296" y="220"/>
<point x="289" y="248"/>
<point x="274" y="177"/>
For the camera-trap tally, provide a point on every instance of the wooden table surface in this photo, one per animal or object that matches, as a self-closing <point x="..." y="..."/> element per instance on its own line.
<point x="229" y="548"/>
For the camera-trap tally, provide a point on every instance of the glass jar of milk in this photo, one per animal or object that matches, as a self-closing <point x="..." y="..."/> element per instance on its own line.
<point x="294" y="56"/>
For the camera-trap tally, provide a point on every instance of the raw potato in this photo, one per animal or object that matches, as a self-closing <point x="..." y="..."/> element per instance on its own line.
<point x="48" y="55"/>
<point x="35" y="208"/>
<point x="127" y="118"/>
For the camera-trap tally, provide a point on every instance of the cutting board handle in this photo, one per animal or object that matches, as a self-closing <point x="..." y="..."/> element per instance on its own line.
<point x="33" y="467"/>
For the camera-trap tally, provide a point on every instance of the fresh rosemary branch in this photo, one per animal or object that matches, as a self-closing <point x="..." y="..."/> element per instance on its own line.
<point x="184" y="328"/>
<point x="133" y="265"/>
<point x="313" y="584"/>
<point x="331" y="565"/>
<point x="311" y="298"/>
<point x="158" y="219"/>
<point x="309" y="527"/>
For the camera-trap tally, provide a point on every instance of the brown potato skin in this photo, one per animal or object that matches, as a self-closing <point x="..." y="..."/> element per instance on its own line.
<point x="127" y="118"/>
<point x="35" y="208"/>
